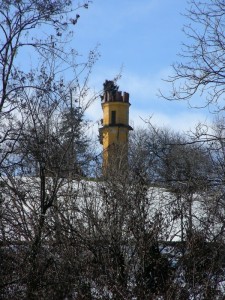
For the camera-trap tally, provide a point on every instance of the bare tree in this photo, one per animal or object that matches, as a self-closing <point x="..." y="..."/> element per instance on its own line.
<point x="118" y="237"/>
<point x="200" y="72"/>
<point x="21" y="24"/>
<point x="20" y="21"/>
<point x="36" y="149"/>
<point x="190" y="168"/>
<point x="201" y="68"/>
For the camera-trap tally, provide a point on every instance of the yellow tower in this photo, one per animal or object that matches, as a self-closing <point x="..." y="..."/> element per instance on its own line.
<point x="115" y="124"/>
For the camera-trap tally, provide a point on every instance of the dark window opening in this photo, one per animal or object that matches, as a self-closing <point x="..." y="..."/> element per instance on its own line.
<point x="113" y="117"/>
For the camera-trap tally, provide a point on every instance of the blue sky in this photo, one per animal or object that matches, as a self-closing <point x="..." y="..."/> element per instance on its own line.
<point x="143" y="39"/>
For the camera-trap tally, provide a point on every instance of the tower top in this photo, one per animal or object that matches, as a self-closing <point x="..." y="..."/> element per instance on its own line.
<point x="111" y="93"/>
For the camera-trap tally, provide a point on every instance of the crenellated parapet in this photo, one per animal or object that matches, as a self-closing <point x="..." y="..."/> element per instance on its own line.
<point x="111" y="93"/>
<point x="116" y="96"/>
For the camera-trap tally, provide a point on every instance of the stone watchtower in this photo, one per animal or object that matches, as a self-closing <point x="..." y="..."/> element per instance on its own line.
<point x="115" y="125"/>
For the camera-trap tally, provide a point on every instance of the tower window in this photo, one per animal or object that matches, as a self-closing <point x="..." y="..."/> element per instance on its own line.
<point x="113" y="117"/>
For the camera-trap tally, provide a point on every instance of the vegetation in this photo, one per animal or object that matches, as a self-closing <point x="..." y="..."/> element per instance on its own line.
<point x="151" y="230"/>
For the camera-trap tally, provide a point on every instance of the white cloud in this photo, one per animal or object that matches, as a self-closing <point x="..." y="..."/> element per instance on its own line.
<point x="146" y="86"/>
<point x="182" y="122"/>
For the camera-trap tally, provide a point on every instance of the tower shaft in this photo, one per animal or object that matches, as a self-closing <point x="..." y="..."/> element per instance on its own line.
<point x="115" y="125"/>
